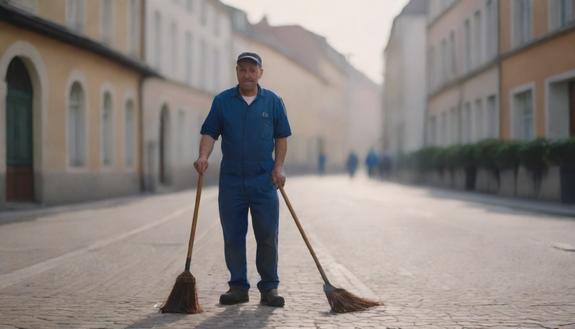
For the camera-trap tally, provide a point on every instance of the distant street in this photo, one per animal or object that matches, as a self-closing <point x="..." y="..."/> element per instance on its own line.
<point x="434" y="259"/>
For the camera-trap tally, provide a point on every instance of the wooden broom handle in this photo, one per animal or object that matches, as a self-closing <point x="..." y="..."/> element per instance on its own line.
<point x="195" y="220"/>
<point x="304" y="236"/>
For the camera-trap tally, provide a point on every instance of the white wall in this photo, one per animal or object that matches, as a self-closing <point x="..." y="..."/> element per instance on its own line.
<point x="190" y="21"/>
<point x="405" y="85"/>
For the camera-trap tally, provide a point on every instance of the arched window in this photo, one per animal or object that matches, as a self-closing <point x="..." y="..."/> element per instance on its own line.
<point x="107" y="130"/>
<point x="76" y="126"/>
<point x="129" y="134"/>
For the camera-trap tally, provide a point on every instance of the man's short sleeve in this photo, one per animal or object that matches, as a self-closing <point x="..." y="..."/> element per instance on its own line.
<point x="281" y="124"/>
<point x="213" y="124"/>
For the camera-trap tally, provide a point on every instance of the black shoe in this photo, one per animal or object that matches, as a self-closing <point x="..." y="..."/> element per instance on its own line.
<point x="235" y="295"/>
<point x="271" y="298"/>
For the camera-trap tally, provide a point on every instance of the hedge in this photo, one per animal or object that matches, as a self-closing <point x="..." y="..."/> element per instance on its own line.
<point x="493" y="154"/>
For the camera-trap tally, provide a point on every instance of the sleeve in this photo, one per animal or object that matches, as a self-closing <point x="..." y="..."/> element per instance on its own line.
<point x="281" y="124"/>
<point x="213" y="124"/>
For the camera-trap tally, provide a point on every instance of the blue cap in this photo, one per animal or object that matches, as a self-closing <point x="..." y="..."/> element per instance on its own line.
<point x="250" y="57"/>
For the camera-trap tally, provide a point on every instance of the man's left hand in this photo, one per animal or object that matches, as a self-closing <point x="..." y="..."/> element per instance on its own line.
<point x="278" y="177"/>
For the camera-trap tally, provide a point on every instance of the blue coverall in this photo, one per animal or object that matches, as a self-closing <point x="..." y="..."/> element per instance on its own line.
<point x="248" y="133"/>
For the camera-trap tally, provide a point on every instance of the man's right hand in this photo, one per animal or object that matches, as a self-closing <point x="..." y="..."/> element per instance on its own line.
<point x="201" y="165"/>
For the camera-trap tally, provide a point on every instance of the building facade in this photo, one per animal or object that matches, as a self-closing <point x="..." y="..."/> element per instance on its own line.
<point x="70" y="74"/>
<point x="463" y="72"/>
<point x="300" y="66"/>
<point x="189" y="44"/>
<point x="537" y="69"/>
<point x="404" y="88"/>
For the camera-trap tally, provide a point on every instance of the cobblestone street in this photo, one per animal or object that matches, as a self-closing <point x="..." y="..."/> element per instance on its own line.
<point x="435" y="259"/>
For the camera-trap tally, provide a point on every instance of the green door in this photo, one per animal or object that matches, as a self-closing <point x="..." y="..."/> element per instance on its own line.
<point x="19" y="134"/>
<point x="572" y="109"/>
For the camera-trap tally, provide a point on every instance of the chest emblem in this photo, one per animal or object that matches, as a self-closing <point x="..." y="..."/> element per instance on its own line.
<point x="265" y="115"/>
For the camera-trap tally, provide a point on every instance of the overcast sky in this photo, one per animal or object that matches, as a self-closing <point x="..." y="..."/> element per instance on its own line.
<point x="357" y="29"/>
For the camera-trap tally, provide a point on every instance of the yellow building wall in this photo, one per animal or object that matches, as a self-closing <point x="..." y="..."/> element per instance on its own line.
<point x="539" y="23"/>
<point x="315" y="105"/>
<point x="55" y="11"/>
<point x="61" y="61"/>
<point x="526" y="67"/>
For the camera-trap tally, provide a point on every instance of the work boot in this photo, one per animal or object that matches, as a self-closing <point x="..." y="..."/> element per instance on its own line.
<point x="235" y="295"/>
<point x="271" y="298"/>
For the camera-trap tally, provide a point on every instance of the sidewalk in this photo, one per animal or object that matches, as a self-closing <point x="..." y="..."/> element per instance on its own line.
<point x="529" y="205"/>
<point x="29" y="211"/>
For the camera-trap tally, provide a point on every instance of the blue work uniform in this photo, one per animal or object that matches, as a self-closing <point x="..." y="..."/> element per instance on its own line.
<point x="248" y="133"/>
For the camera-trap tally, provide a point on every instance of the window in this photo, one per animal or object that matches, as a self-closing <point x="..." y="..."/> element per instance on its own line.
<point x="444" y="63"/>
<point x="107" y="139"/>
<point x="76" y="126"/>
<point x="523" y="115"/>
<point x="444" y="129"/>
<point x="129" y="134"/>
<point x="203" y="64"/>
<point x="190" y="5"/>
<point x="134" y="28"/>
<point x="216" y="72"/>
<point x="452" y="55"/>
<point x="493" y="117"/>
<point x="432" y="131"/>
<point x="491" y="37"/>
<point x="174" y="47"/>
<point x="28" y="5"/>
<point x="560" y="13"/>
<point x="107" y="21"/>
<point x="431" y="68"/>
<point x="467" y="123"/>
<point x="189" y="57"/>
<point x="453" y="126"/>
<point x="522" y="13"/>
<point x="182" y="135"/>
<point x="157" y="40"/>
<point x="203" y="13"/>
<point x="479" y="121"/>
<point x="467" y="45"/>
<point x="216" y="21"/>
<point x="75" y="15"/>
<point x="477" y="42"/>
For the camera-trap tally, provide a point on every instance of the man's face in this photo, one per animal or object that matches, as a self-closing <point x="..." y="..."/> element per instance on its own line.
<point x="249" y="73"/>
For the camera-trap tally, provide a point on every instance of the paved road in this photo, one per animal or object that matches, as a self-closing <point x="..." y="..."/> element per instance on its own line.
<point x="434" y="259"/>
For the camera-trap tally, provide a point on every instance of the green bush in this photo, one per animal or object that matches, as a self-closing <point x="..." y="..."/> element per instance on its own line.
<point x="485" y="154"/>
<point x="534" y="155"/>
<point x="440" y="159"/>
<point x="493" y="154"/>
<point x="507" y="155"/>
<point x="452" y="157"/>
<point x="466" y="156"/>
<point x="562" y="152"/>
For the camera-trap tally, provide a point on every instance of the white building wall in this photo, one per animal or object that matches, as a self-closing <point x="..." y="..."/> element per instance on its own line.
<point x="216" y="35"/>
<point x="466" y="104"/>
<point x="405" y="88"/>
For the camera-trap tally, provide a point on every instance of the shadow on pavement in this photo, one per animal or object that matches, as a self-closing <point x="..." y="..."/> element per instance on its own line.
<point x="157" y="319"/>
<point x="489" y="202"/>
<point x="233" y="316"/>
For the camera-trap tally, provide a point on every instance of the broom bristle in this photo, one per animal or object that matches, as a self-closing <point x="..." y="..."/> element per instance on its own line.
<point x="183" y="298"/>
<point x="342" y="301"/>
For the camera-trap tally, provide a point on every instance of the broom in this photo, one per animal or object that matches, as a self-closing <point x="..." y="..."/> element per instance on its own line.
<point x="340" y="300"/>
<point x="184" y="297"/>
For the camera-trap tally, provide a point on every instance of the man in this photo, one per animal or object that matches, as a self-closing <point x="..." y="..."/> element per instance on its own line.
<point x="252" y="122"/>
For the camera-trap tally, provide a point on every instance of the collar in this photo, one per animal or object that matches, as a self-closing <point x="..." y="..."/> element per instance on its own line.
<point x="237" y="93"/>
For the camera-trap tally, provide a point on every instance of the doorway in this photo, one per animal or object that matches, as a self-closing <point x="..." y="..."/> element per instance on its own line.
<point x="19" y="134"/>
<point x="572" y="109"/>
<point x="165" y="149"/>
